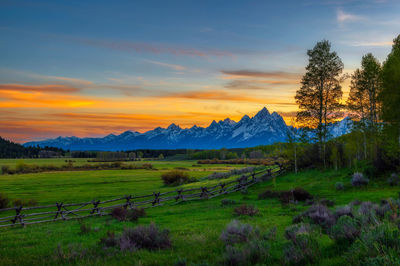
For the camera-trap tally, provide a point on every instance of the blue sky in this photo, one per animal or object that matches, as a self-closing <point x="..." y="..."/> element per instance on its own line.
<point x="77" y="67"/>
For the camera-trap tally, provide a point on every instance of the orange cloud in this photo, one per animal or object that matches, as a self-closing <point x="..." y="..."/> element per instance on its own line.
<point x="235" y="74"/>
<point x="52" y="88"/>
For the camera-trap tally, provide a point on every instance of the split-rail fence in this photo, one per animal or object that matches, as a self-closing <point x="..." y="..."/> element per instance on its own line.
<point x="60" y="211"/>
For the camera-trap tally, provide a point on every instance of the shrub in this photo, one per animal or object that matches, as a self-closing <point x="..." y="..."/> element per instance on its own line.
<point x="5" y="169"/>
<point x="4" y="201"/>
<point x="286" y="197"/>
<point x="303" y="251"/>
<point x="254" y="252"/>
<point x="346" y="230"/>
<point x="339" y="186"/>
<point x="119" y="213"/>
<point x="268" y="194"/>
<point x="244" y="209"/>
<point x="367" y="214"/>
<point x="147" y="166"/>
<point x="25" y="202"/>
<point x="135" y="213"/>
<point x="300" y="194"/>
<point x="378" y="241"/>
<point x="393" y="180"/>
<point x="236" y="232"/>
<point x="227" y="202"/>
<point x="293" y="231"/>
<point x="175" y="177"/>
<point x="327" y="202"/>
<point x="317" y="214"/>
<point x="141" y="237"/>
<point x="22" y="167"/>
<point x="346" y="210"/>
<point x="359" y="180"/>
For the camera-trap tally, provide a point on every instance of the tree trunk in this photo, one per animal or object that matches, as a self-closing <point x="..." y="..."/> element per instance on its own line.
<point x="365" y="145"/>
<point x="295" y="158"/>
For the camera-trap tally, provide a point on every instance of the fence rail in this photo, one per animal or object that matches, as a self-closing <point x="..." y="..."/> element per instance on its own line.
<point x="60" y="211"/>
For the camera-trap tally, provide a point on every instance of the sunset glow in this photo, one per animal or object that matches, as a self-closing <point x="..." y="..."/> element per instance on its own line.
<point x="87" y="70"/>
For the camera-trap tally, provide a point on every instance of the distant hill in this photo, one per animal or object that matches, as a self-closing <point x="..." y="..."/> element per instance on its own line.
<point x="262" y="129"/>
<point x="9" y="149"/>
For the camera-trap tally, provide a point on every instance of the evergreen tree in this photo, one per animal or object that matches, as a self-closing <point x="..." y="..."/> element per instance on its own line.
<point x="320" y="94"/>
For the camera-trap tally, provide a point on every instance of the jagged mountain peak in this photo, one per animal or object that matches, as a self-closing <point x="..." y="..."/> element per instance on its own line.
<point x="264" y="128"/>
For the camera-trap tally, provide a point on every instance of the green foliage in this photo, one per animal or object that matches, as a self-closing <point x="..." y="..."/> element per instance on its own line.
<point x="175" y="177"/>
<point x="346" y="230"/>
<point x="4" y="201"/>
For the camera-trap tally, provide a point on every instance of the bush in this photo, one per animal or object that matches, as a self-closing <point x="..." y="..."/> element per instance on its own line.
<point x="25" y="202"/>
<point x="317" y="214"/>
<point x="256" y="251"/>
<point x="141" y="237"/>
<point x="268" y="194"/>
<point x="346" y="230"/>
<point x="5" y="169"/>
<point x="359" y="180"/>
<point x="377" y="241"/>
<point x="327" y="202"/>
<point x="175" y="177"/>
<point x="236" y="232"/>
<point x="135" y="213"/>
<point x="227" y="202"/>
<point x="123" y="214"/>
<point x="244" y="209"/>
<point x="4" y="201"/>
<point x="293" y="231"/>
<point x="303" y="250"/>
<point x="346" y="210"/>
<point x="119" y="213"/>
<point x="367" y="214"/>
<point x="339" y="186"/>
<point x="393" y="180"/>
<point x="300" y="194"/>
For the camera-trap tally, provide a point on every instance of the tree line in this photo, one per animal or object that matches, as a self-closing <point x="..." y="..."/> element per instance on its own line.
<point x="372" y="105"/>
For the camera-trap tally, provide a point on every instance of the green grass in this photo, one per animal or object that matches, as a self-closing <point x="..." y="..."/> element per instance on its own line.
<point x="194" y="226"/>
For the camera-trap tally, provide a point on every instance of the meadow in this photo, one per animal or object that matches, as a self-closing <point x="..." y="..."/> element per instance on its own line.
<point x="195" y="227"/>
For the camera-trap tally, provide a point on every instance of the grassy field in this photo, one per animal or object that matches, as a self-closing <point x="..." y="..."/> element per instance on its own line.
<point x="195" y="227"/>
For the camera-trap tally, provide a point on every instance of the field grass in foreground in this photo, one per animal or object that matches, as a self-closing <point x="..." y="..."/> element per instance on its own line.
<point x="81" y="186"/>
<point x="195" y="227"/>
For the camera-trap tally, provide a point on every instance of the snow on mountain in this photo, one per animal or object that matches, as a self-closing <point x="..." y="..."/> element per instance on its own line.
<point x="262" y="129"/>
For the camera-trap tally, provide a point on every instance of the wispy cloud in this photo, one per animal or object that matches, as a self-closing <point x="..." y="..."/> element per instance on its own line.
<point x="50" y="88"/>
<point x="344" y="17"/>
<point x="143" y="47"/>
<point x="258" y="80"/>
<point x="235" y="74"/>
<point x="171" y="66"/>
<point x="373" y="44"/>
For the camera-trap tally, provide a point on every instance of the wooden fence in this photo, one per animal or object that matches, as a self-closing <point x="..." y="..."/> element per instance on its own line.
<point x="60" y="211"/>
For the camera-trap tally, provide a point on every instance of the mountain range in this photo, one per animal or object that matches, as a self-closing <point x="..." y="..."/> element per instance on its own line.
<point x="262" y="129"/>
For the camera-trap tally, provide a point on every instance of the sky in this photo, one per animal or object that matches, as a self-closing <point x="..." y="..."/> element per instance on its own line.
<point x="91" y="68"/>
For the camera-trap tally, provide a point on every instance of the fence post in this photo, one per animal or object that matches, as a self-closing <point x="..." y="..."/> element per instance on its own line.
<point x="156" y="198"/>
<point x="204" y="192"/>
<point x="223" y="189"/>
<point x="179" y="196"/>
<point x="128" y="201"/>
<point x="59" y="211"/>
<point x="18" y="216"/>
<point x="95" y="207"/>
